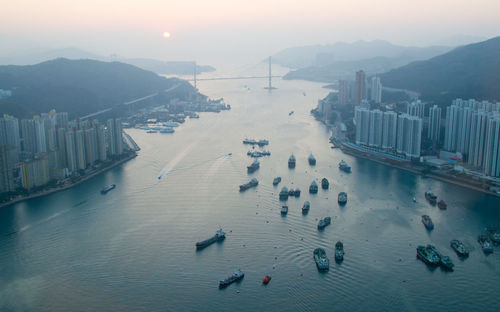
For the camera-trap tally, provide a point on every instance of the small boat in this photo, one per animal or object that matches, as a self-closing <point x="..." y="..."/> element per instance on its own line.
<point x="171" y="124"/>
<point x="284" y="210"/>
<point x="291" y="192"/>
<point x="305" y="208"/>
<point x="266" y="280"/>
<point x="297" y="192"/>
<point x="459" y="248"/>
<point x="494" y="234"/>
<point x="151" y="131"/>
<point x="254" y="166"/>
<point x="342" y="198"/>
<point x="428" y="255"/>
<point x="325" y="184"/>
<point x="313" y="188"/>
<point x="414" y="199"/>
<point x="446" y="263"/>
<point x="290" y="113"/>
<point x="219" y="235"/>
<point x="276" y="180"/>
<point x="442" y="204"/>
<point x="262" y="142"/>
<point x="108" y="188"/>
<point x="249" y="141"/>
<point x="431" y="197"/>
<point x="324" y="222"/>
<point x="254" y="182"/>
<point x="284" y="193"/>
<point x="485" y="243"/>
<point x="237" y="275"/>
<point x="426" y="220"/>
<point x="291" y="161"/>
<point x="312" y="160"/>
<point x="339" y="251"/>
<point x="344" y="166"/>
<point x="321" y="259"/>
<point x="167" y="130"/>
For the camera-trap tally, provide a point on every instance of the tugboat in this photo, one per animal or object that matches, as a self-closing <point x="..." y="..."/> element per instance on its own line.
<point x="284" y="193"/>
<point x="324" y="222"/>
<point x="459" y="248"/>
<point x="276" y="180"/>
<point x="254" y="166"/>
<point x="313" y="189"/>
<point x="344" y="166"/>
<point x="246" y="186"/>
<point x="312" y="160"/>
<point x="219" y="235"/>
<point x="426" y="220"/>
<point x="427" y="255"/>
<point x="291" y="161"/>
<point x="339" y="251"/>
<point x="485" y="243"/>
<point x="321" y="259"/>
<point x="297" y="192"/>
<point x="237" y="275"/>
<point x="284" y="210"/>
<point x="266" y="280"/>
<point x="305" y="208"/>
<point x="431" y="197"/>
<point x="324" y="184"/>
<point x="442" y="204"/>
<point x="107" y="188"/>
<point x="291" y="192"/>
<point x="342" y="198"/>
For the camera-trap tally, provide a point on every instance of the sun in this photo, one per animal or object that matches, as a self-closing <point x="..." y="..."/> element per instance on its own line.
<point x="166" y="35"/>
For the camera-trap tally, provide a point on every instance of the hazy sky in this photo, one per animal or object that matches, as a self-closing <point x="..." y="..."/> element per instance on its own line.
<point x="210" y="30"/>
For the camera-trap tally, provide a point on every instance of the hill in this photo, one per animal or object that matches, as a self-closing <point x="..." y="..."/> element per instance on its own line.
<point x="78" y="87"/>
<point x="471" y="71"/>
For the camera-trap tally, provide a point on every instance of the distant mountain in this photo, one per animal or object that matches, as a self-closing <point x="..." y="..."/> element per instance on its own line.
<point x="169" y="68"/>
<point x="471" y="71"/>
<point x="322" y="55"/>
<point x="77" y="86"/>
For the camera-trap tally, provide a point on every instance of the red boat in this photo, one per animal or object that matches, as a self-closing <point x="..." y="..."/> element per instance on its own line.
<point x="266" y="280"/>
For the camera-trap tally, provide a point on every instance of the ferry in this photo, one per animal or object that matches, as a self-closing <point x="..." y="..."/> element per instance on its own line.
<point x="325" y="184"/>
<point x="305" y="208"/>
<point x="442" y="204"/>
<point x="485" y="243"/>
<point x="237" y="275"/>
<point x="344" y="166"/>
<point x="284" y="193"/>
<point x="339" y="251"/>
<point x="254" y="182"/>
<point x="219" y="235"/>
<point x="284" y="210"/>
<point x="321" y="259"/>
<point x="459" y="248"/>
<point x="108" y="188"/>
<point x="276" y="180"/>
<point x="426" y="220"/>
<point x="254" y="166"/>
<point x="291" y="161"/>
<point x="312" y="160"/>
<point x="313" y="188"/>
<point x="324" y="222"/>
<point x="342" y="198"/>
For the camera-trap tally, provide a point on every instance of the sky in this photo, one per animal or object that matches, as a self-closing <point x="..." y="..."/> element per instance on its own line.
<point x="214" y="30"/>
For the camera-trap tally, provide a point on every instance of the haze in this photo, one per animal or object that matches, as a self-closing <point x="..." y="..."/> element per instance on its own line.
<point x="210" y="31"/>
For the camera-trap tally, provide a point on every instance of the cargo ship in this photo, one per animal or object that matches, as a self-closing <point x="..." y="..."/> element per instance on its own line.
<point x="291" y="161"/>
<point x="342" y="198"/>
<point x="325" y="184"/>
<point x="459" y="248"/>
<point x="254" y="166"/>
<point x="344" y="166"/>
<point x="339" y="251"/>
<point x="312" y="160"/>
<point x="254" y="182"/>
<point x="284" y="193"/>
<point x="305" y="208"/>
<point x="237" y="275"/>
<point x="219" y="236"/>
<point x="313" y="188"/>
<point x="321" y="259"/>
<point x="324" y="222"/>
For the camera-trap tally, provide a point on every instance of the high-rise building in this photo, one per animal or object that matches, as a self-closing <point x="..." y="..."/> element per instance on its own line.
<point x="91" y="152"/>
<point x="9" y="157"/>
<point x="389" y="131"/>
<point x="80" y="150"/>
<point x="416" y="108"/>
<point x="360" y="89"/>
<point x="434" y="129"/>
<point x="115" y="139"/>
<point x="343" y="92"/>
<point x="71" y="151"/>
<point x="362" y="119"/>
<point x="492" y="147"/>
<point x="409" y="135"/>
<point x="376" y="90"/>
<point x="376" y="127"/>
<point x="101" y="142"/>
<point x="9" y="132"/>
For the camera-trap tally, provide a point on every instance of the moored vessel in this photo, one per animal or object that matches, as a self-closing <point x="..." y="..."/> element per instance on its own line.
<point x="276" y="180"/>
<point x="324" y="222"/>
<point x="427" y="255"/>
<point x="291" y="192"/>
<point x="167" y="130"/>
<point x="297" y="192"/>
<point x="344" y="166"/>
<point x="321" y="259"/>
<point x="254" y="182"/>
<point x="342" y="198"/>
<point x="325" y="184"/>
<point x="291" y="161"/>
<point x="485" y="243"/>
<point x="459" y="248"/>
<point x="284" y="210"/>
<point x="426" y="220"/>
<point x="305" y="208"/>
<point x="108" y="188"/>
<point x="219" y="236"/>
<point x="284" y="193"/>
<point x="262" y="142"/>
<point x="312" y="160"/>
<point x="313" y="188"/>
<point x="237" y="275"/>
<point x="339" y="251"/>
<point x="442" y="204"/>
<point x="254" y="166"/>
<point x="431" y="197"/>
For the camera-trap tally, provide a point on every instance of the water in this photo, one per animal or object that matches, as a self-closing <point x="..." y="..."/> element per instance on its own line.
<point x="133" y="249"/>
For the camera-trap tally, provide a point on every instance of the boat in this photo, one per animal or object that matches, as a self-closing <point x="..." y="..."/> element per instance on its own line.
<point x="284" y="210"/>
<point x="254" y="166"/>
<point x="249" y="141"/>
<point x="325" y="184"/>
<point x="262" y="142"/>
<point x="494" y="234"/>
<point x="297" y="192"/>
<point x="431" y="197"/>
<point x="428" y="255"/>
<point x="291" y="161"/>
<point x="324" y="222"/>
<point x="108" y="188"/>
<point x="284" y="193"/>
<point x="342" y="198"/>
<point x="276" y="180"/>
<point x="219" y="235"/>
<point x="485" y="243"/>
<point x="237" y="275"/>
<point x="167" y="130"/>
<point x="446" y="263"/>
<point x="266" y="280"/>
<point x="459" y="248"/>
<point x="321" y="259"/>
<point x="151" y="131"/>
<point x="344" y="166"/>
<point x="426" y="220"/>
<point x="312" y="160"/>
<point x="442" y="204"/>
<point x="254" y="182"/>
<point x="305" y="208"/>
<point x="414" y="199"/>
<point x="339" y="251"/>
<point x="290" y="113"/>
<point x="313" y="188"/>
<point x="171" y="124"/>
<point x="291" y="192"/>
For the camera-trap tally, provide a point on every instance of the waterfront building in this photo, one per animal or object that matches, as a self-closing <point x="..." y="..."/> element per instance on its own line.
<point x="101" y="142"/>
<point x="376" y="90"/>
<point x="35" y="172"/>
<point x="71" y="150"/>
<point x="362" y="119"/>
<point x="91" y="152"/>
<point x="434" y="129"/>
<point x="376" y="126"/>
<point x="115" y="140"/>
<point x="344" y="95"/>
<point x="9" y="157"/>
<point x="360" y="89"/>
<point x="80" y="150"/>
<point x="389" y="130"/>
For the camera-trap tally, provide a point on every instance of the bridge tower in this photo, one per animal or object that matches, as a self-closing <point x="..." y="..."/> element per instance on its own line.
<point x="270" y="86"/>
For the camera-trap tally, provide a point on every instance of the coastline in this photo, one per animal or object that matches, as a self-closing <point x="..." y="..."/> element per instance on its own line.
<point x="65" y="187"/>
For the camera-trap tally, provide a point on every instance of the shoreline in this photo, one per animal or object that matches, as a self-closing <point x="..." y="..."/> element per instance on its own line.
<point x="65" y="187"/>
<point x="441" y="178"/>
